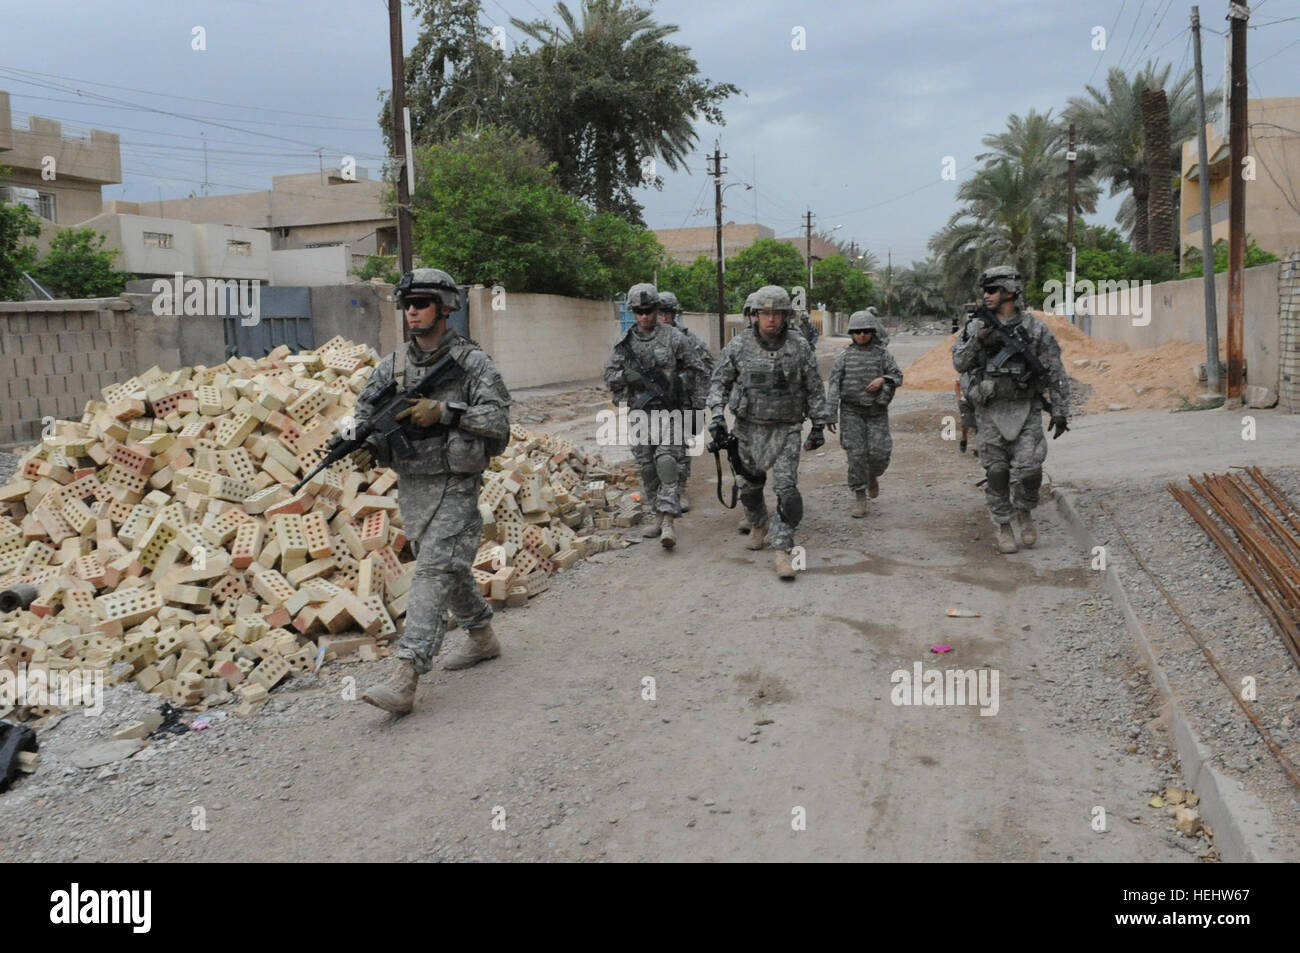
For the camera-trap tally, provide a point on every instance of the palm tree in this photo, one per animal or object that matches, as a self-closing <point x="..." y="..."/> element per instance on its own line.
<point x="920" y="289"/>
<point x="606" y="90"/>
<point x="1109" y="124"/>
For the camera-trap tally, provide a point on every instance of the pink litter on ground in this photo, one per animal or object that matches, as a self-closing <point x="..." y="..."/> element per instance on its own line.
<point x="941" y="648"/>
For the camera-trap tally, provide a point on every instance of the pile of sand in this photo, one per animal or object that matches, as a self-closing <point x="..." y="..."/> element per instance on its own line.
<point x="1154" y="378"/>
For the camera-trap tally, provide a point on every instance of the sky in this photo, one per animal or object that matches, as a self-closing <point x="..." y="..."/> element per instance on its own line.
<point x="855" y="125"/>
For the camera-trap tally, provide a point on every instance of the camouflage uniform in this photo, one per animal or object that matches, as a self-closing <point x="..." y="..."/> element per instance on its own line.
<point x="439" y="487"/>
<point x="863" y="415"/>
<point x="1010" y="439"/>
<point x="667" y="350"/>
<point x="777" y="386"/>
<point x="693" y="383"/>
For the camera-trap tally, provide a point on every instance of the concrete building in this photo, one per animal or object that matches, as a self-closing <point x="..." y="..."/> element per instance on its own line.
<point x="303" y="211"/>
<point x="684" y="245"/>
<point x="58" y="176"/>
<point x="821" y="248"/>
<point x="1272" y="197"/>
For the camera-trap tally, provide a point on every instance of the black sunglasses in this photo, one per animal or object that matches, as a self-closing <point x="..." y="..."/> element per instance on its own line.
<point x="863" y="331"/>
<point x="644" y="310"/>
<point x="991" y="289"/>
<point x="419" y="304"/>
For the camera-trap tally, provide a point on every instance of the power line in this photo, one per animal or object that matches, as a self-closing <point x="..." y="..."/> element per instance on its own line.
<point x="1124" y="53"/>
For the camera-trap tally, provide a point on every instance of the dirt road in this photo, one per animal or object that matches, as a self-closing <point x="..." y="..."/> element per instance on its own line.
<point x="768" y="731"/>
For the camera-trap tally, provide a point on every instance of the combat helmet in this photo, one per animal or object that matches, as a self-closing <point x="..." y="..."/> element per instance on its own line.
<point x="1005" y="277"/>
<point x="429" y="283"/>
<point x="668" y="302"/>
<point x="643" y="297"/>
<point x="772" y="298"/>
<point x="749" y="308"/>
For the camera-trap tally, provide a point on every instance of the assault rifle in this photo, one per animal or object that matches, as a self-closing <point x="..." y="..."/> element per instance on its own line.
<point x="382" y="430"/>
<point x="657" y="391"/>
<point x="1013" y="346"/>
<point x="725" y="440"/>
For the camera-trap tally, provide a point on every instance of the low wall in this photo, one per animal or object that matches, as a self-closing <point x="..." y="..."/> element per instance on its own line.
<point x="543" y="339"/>
<point x="1176" y="310"/>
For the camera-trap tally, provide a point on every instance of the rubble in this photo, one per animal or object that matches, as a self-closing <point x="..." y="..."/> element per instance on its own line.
<point x="167" y="548"/>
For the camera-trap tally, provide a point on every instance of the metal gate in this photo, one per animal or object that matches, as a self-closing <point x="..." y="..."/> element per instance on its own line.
<point x="285" y="318"/>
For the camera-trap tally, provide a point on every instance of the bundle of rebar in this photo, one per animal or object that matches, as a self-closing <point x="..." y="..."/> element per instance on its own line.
<point x="1258" y="530"/>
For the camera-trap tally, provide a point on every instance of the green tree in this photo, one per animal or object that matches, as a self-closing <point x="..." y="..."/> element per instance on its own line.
<point x="696" y="284"/>
<point x="79" y="266"/>
<point x="840" y="285"/>
<point x="17" y="223"/>
<point x="766" y="262"/>
<point x="1254" y="256"/>
<point x="455" y="79"/>
<point x="606" y="92"/>
<point x="920" y="289"/>
<point x="487" y="209"/>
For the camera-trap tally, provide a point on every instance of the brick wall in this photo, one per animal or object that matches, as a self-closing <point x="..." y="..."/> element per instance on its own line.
<point x="55" y="356"/>
<point x="1288" y="288"/>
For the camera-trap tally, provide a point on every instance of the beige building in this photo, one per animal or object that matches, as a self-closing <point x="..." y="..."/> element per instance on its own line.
<point x="58" y="176"/>
<point x="684" y="245"/>
<point x="303" y="211"/>
<point x="1272" y="197"/>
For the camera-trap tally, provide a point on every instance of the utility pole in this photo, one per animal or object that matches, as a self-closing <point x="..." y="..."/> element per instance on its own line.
<point x="808" y="229"/>
<point x="1238" y="14"/>
<point x="205" y="162"/>
<point x="717" y="172"/>
<point x="1070" y="156"/>
<point x="889" y="278"/>
<point x="404" y="251"/>
<point x="1214" y="379"/>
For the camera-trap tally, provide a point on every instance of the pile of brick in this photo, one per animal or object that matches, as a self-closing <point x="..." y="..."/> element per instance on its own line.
<point x="168" y="548"/>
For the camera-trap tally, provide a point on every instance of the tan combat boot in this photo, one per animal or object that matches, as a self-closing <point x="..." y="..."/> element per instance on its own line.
<point x="481" y="646"/>
<point x="744" y="526"/>
<point x="873" y="487"/>
<point x="860" y="505"/>
<point x="1006" y="539"/>
<point x="683" y="500"/>
<point x="757" y="536"/>
<point x="1028" y="531"/>
<point x="654" y="527"/>
<point x="784" y="566"/>
<point x="397" y="692"/>
<point x="667" y="537"/>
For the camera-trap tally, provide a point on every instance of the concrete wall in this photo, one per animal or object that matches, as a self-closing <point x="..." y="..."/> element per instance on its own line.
<point x="214" y="258"/>
<point x="55" y="356"/>
<point x="544" y="339"/>
<point x="1177" y="313"/>
<point x="311" y="266"/>
<point x="1288" y="391"/>
<point x="126" y="234"/>
<point x="362" y="313"/>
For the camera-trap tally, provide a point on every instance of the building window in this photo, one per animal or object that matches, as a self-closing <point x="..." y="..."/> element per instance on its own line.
<point x="239" y="248"/>
<point x="46" y="207"/>
<point x="321" y="244"/>
<point x="158" y="239"/>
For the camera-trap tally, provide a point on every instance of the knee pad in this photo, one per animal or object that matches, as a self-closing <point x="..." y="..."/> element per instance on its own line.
<point x="666" y="467"/>
<point x="1031" y="481"/>
<point x="790" y="507"/>
<point x="999" y="475"/>
<point x="752" y="497"/>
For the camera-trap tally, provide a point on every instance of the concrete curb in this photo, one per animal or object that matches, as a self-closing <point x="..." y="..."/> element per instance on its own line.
<point x="1241" y="822"/>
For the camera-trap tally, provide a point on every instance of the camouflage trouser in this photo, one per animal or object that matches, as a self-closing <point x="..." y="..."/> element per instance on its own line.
<point x="448" y="504"/>
<point x="660" y="497"/>
<point x="867" y="444"/>
<point x="772" y="447"/>
<point x="1024" y="458"/>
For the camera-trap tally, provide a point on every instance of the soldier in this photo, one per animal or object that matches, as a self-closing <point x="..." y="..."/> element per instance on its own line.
<point x="454" y="433"/>
<point x="1010" y="359"/>
<point x="810" y="332"/>
<point x="775" y="372"/>
<point x="645" y="371"/>
<point x="859" y="390"/>
<point x="669" y="309"/>
<point x="749" y="311"/>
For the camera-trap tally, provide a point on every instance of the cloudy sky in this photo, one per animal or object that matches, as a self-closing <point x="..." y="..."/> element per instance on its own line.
<point x="855" y="126"/>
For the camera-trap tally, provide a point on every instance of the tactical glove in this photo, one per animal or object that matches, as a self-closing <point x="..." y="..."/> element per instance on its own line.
<point x="423" y="413"/>
<point x="990" y="336"/>
<point x="633" y="377"/>
<point x="815" y="438"/>
<point x="362" y="460"/>
<point x="1058" y="426"/>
